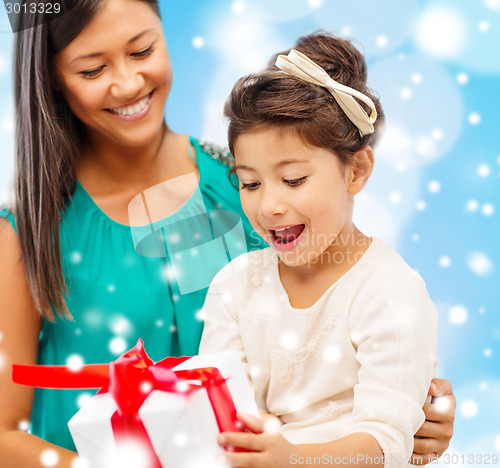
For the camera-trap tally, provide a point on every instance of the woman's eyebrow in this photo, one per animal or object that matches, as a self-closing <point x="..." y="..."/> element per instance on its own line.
<point x="98" y="54"/>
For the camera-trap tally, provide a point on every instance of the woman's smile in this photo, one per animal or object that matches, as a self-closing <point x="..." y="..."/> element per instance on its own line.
<point x="135" y="111"/>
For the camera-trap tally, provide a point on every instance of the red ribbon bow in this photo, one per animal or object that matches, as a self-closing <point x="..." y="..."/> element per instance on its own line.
<point x="129" y="380"/>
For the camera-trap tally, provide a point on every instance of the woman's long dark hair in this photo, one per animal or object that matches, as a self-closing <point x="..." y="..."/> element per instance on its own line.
<point x="49" y="141"/>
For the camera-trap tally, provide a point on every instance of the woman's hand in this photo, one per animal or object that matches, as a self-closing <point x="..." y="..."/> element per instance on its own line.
<point x="259" y="448"/>
<point x="434" y="436"/>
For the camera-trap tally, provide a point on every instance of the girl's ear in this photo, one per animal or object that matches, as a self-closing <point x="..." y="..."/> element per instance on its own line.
<point x="360" y="170"/>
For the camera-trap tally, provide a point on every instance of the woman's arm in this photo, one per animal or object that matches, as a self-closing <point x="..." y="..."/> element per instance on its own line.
<point x="19" y="333"/>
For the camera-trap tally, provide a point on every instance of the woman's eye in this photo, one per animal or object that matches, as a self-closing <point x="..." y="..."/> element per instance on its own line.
<point x="295" y="182"/>
<point x="250" y="186"/>
<point x="91" y="73"/>
<point x="143" y="53"/>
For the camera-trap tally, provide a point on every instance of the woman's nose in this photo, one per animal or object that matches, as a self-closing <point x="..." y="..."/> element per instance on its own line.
<point x="127" y="82"/>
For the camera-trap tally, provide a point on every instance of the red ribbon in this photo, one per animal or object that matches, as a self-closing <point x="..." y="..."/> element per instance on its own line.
<point x="130" y="379"/>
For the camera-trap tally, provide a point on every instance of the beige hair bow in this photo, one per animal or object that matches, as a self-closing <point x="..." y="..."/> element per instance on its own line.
<point x="301" y="66"/>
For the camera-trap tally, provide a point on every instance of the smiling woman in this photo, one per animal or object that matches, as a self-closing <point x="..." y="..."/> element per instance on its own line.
<point x="91" y="89"/>
<point x="111" y="80"/>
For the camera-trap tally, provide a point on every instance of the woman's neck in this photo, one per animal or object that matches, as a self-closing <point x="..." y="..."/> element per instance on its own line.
<point x="107" y="168"/>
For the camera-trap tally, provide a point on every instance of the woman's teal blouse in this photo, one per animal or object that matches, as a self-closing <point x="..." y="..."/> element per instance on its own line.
<point x="126" y="283"/>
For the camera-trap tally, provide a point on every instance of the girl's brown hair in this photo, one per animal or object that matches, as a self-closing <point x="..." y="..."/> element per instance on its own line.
<point x="49" y="141"/>
<point x="273" y="98"/>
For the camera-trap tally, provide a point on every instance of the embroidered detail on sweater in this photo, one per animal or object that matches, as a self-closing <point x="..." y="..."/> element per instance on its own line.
<point x="217" y="152"/>
<point x="330" y="410"/>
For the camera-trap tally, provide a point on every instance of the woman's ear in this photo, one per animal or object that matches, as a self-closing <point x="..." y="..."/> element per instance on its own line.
<point x="361" y="168"/>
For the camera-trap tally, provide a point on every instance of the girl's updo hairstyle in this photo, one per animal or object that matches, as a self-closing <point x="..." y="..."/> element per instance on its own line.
<point x="274" y="99"/>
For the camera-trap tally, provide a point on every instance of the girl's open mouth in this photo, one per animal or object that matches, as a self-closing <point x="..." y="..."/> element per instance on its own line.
<point x="286" y="238"/>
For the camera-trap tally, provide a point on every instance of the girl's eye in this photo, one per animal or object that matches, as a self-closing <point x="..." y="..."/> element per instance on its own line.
<point x="250" y="186"/>
<point x="92" y="73"/>
<point x="143" y="53"/>
<point x="295" y="182"/>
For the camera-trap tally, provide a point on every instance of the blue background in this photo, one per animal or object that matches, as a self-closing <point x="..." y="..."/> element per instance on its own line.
<point x="434" y="194"/>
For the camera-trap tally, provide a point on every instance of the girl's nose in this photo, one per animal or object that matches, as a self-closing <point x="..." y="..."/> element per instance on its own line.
<point x="127" y="83"/>
<point x="271" y="203"/>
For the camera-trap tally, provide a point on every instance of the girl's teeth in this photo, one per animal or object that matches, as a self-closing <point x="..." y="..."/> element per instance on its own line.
<point x="134" y="109"/>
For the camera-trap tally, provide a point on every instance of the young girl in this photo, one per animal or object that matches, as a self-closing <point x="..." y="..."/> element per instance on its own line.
<point x="337" y="332"/>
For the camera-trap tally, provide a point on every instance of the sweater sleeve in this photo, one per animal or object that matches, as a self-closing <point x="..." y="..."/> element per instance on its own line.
<point x="393" y="326"/>
<point x="221" y="330"/>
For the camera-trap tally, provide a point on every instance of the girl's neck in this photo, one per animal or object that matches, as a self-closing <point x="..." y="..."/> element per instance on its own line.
<point x="307" y="283"/>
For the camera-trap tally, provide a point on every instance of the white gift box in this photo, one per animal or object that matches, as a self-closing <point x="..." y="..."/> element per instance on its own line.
<point x="182" y="428"/>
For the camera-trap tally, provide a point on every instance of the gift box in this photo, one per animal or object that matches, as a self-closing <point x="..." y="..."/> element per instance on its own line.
<point x="152" y="415"/>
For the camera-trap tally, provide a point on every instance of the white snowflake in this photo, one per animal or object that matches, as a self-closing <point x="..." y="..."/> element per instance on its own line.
<point x="416" y="78"/>
<point x="289" y="340"/>
<point x="444" y="261"/>
<point x="420" y="205"/>
<point x="332" y="354"/>
<point x="406" y="93"/>
<point x="479" y="263"/>
<point x="255" y="371"/>
<point x="458" y="315"/>
<point x="200" y="315"/>
<point x="497" y="443"/>
<point x="434" y="186"/>
<point x="437" y="134"/>
<point x="198" y="42"/>
<point x="75" y="258"/>
<point x="395" y="197"/>
<point x="487" y="209"/>
<point x="83" y="399"/>
<point x="80" y="462"/>
<point x="474" y="118"/>
<point x="146" y="387"/>
<point x="472" y="205"/>
<point x="117" y="345"/>
<point x="315" y="3"/>
<point x="442" y="403"/>
<point x="49" y="457"/>
<point x="75" y="362"/>
<point x="483" y="26"/>
<point x="181" y="439"/>
<point x="238" y="7"/>
<point x="121" y="325"/>
<point x="483" y="170"/>
<point x="469" y="409"/>
<point x="23" y="425"/>
<point x="462" y="78"/>
<point x="382" y="40"/>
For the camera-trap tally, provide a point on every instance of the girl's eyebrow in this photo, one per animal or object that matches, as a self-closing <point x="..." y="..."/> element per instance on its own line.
<point x="277" y="165"/>
<point x="98" y="54"/>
